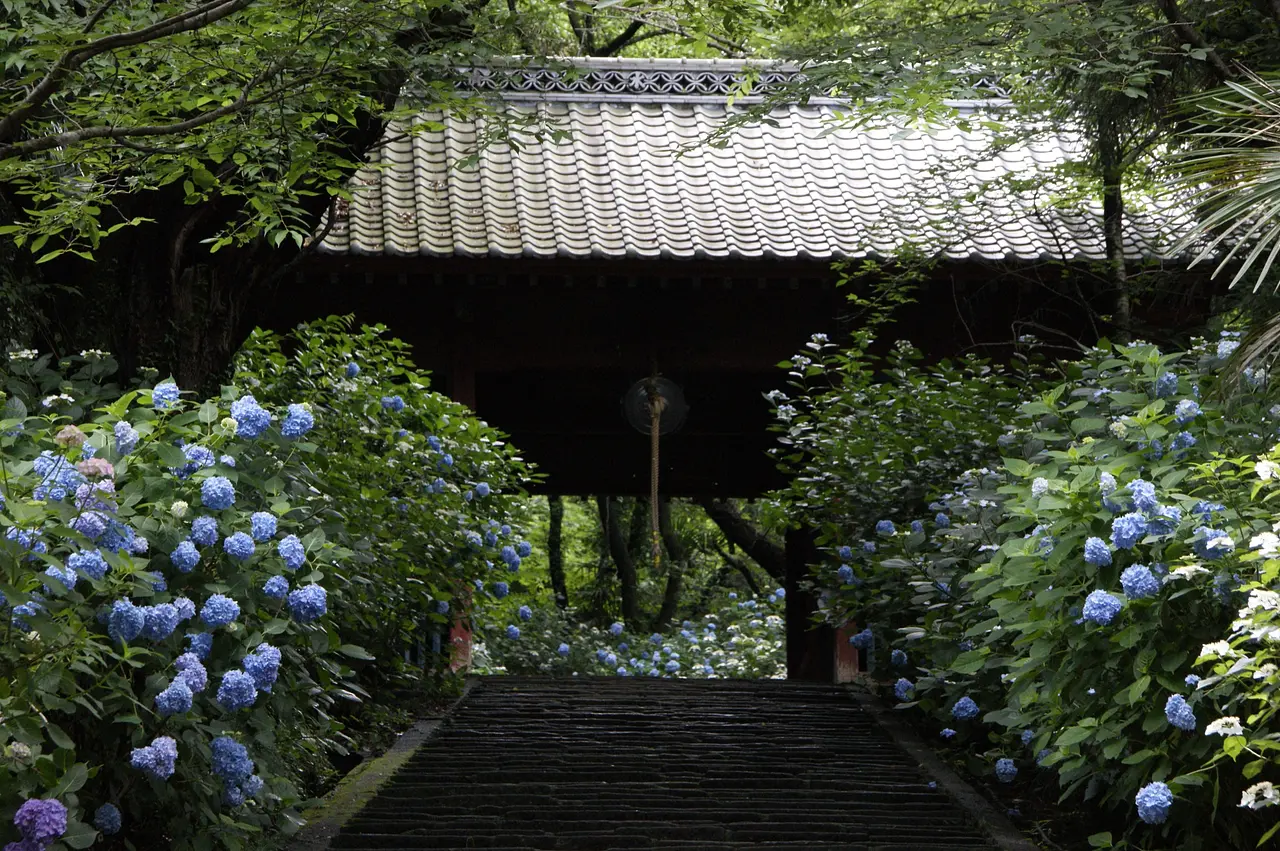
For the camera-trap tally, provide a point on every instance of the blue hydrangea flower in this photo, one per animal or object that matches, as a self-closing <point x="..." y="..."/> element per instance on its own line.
<point x="845" y="573"/>
<point x="204" y="531"/>
<point x="1186" y="411"/>
<point x="615" y="629"/>
<point x="1144" y="495"/>
<point x="217" y="493"/>
<point x="1212" y="544"/>
<point x="513" y="631"/>
<point x="237" y="691"/>
<point x="219" y="610"/>
<point x="126" y="437"/>
<point x="500" y="589"/>
<point x="1101" y="607"/>
<point x="298" y="422"/>
<point x="1204" y="510"/>
<point x="964" y="709"/>
<point x="1107" y="484"/>
<point x="65" y="580"/>
<point x="175" y="699"/>
<point x="1179" y="713"/>
<point x="1154" y="801"/>
<point x="1096" y="552"/>
<point x="353" y="369"/>
<point x="230" y="760"/>
<point x="308" y="603"/>
<point x="262" y="525"/>
<point x="1028" y="736"/>
<point x="672" y="666"/>
<point x="1127" y="530"/>
<point x="88" y="563"/>
<point x="1138" y="581"/>
<point x="160" y="621"/>
<point x="1192" y="680"/>
<point x="392" y="403"/>
<point x="864" y="640"/>
<point x="91" y="524"/>
<point x="482" y="489"/>
<point x="107" y="819"/>
<point x="201" y="644"/>
<point x="192" y="672"/>
<point x="1166" y="385"/>
<point x="252" y="786"/>
<point x="263" y="664"/>
<point x="164" y="395"/>
<point x="185" y="608"/>
<point x="1165" y="520"/>
<point x="291" y="551"/>
<point x="947" y="732"/>
<point x="185" y="557"/>
<point x="563" y="649"/>
<point x="276" y="587"/>
<point x="903" y="689"/>
<point x="780" y="593"/>
<point x="885" y="527"/>
<point x="1182" y="441"/>
<point x="1006" y="771"/>
<point x="125" y="621"/>
<point x="525" y="613"/>
<point x="898" y="658"/>
<point x="845" y="553"/>
<point x="157" y="759"/>
<point x="1226" y="348"/>
<point x="917" y="526"/>
<point x="198" y="458"/>
<point x="868" y="547"/>
<point x="251" y="418"/>
<point x="1039" y="487"/>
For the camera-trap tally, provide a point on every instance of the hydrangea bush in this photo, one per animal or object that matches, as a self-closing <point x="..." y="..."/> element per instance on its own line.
<point x="188" y="585"/>
<point x="1096" y="606"/>
<point x="743" y="639"/>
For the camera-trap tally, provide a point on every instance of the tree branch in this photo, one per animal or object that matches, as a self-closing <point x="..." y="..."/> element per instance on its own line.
<point x="1193" y="36"/>
<point x="97" y="16"/>
<point x="746" y="537"/>
<point x="193" y="19"/>
<point x="743" y="568"/>
<point x="624" y="39"/>
<point x="676" y="556"/>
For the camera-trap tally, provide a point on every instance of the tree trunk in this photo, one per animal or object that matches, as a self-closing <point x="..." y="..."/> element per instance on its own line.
<point x="676" y="557"/>
<point x="611" y="521"/>
<point x="743" y="568"/>
<point x="1111" y="162"/>
<point x="555" y="550"/>
<point x="739" y="531"/>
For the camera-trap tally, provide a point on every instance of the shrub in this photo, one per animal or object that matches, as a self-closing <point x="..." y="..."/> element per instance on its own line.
<point x="191" y="585"/>
<point x="1078" y="592"/>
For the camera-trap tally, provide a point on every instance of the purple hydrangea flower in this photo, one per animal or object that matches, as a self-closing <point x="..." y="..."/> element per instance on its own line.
<point x="126" y="437"/>
<point x="107" y="819"/>
<point x="88" y="563"/>
<point x="201" y="644"/>
<point x="41" y="820"/>
<point x="175" y="699"/>
<point x="230" y="760"/>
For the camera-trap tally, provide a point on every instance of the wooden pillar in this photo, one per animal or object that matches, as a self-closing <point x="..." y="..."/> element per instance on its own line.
<point x="848" y="657"/>
<point x="810" y="646"/>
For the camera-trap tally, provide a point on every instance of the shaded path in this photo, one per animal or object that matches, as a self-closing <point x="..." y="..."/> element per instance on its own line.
<point x="592" y="764"/>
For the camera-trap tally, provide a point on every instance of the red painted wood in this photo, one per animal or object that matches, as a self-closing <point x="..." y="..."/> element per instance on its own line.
<point x="848" y="657"/>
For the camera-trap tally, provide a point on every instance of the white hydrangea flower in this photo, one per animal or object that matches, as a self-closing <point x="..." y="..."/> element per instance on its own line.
<point x="24" y="354"/>
<point x="178" y="509"/>
<point x="1265" y="672"/>
<point x="1187" y="571"/>
<point x="1228" y="725"/>
<point x="1261" y="599"/>
<point x="1267" y="470"/>
<point x="1260" y="795"/>
<point x="1266" y="543"/>
<point x="1218" y="648"/>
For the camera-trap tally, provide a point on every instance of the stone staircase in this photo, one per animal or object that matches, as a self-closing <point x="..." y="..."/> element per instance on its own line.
<point x="591" y="764"/>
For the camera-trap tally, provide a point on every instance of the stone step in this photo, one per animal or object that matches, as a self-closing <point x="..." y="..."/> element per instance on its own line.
<point x="610" y="764"/>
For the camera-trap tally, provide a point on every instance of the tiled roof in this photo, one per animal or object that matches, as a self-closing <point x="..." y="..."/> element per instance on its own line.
<point x="631" y="178"/>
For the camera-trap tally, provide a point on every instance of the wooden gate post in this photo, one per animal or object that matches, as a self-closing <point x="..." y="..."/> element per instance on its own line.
<point x="810" y="646"/>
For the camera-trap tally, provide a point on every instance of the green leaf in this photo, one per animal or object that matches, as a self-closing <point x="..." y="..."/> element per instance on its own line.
<point x="969" y="662"/>
<point x="71" y="781"/>
<point x="355" y="652"/>
<point x="59" y="737"/>
<point x="79" y="835"/>
<point x="209" y="412"/>
<point x="1234" y="746"/>
<point x="1100" y="840"/>
<point x="1073" y="736"/>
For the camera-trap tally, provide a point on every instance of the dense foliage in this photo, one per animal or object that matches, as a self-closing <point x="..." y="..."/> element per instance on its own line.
<point x="195" y="589"/>
<point x="1097" y="604"/>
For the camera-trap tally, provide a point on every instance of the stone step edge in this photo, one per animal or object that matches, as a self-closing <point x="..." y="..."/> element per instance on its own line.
<point x="336" y="809"/>
<point x="994" y="823"/>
